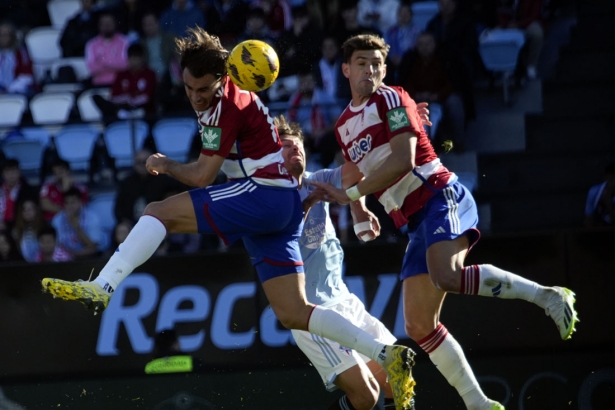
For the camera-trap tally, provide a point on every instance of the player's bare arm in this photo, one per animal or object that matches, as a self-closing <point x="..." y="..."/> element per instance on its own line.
<point x="398" y="163"/>
<point x="201" y="173"/>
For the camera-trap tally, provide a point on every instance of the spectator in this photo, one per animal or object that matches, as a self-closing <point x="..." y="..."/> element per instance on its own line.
<point x="106" y="54"/>
<point x="133" y="91"/>
<point x="278" y="15"/>
<point x="49" y="250"/>
<point x="159" y="44"/>
<point x="349" y="24"/>
<point x="600" y="205"/>
<point x="139" y="189"/>
<point x="379" y="15"/>
<point x="16" y="75"/>
<point x="328" y="71"/>
<point x="256" y="27"/>
<point x="118" y="235"/>
<point x="299" y="47"/>
<point x="9" y="252"/>
<point x="78" y="229"/>
<point x="79" y="30"/>
<point x="401" y="37"/>
<point x="316" y="112"/>
<point x="424" y="75"/>
<point x="28" y="223"/>
<point x="227" y="19"/>
<point x="14" y="189"/>
<point x="129" y="14"/>
<point x="180" y="16"/>
<point x="52" y="192"/>
<point x="457" y="39"/>
<point x="525" y="15"/>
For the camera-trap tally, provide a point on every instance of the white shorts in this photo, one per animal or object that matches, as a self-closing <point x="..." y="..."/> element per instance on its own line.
<point x="329" y="357"/>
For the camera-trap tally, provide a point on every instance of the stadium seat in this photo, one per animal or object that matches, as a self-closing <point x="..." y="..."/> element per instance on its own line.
<point x="75" y="145"/>
<point x="12" y="107"/>
<point x="120" y="140"/>
<point x="29" y="153"/>
<point x="102" y="205"/>
<point x="88" y="111"/>
<point x="39" y="134"/>
<point x="499" y="50"/>
<point x="173" y="137"/>
<point x="423" y="12"/>
<point x="51" y="108"/>
<point x="77" y="63"/>
<point x="60" y="11"/>
<point x="43" y="44"/>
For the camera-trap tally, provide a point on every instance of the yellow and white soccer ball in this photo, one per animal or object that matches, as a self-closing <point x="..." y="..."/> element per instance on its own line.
<point x="253" y="65"/>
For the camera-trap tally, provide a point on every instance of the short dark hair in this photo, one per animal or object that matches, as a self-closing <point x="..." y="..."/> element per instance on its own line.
<point x="287" y="128"/>
<point x="73" y="191"/>
<point x="362" y="42"/>
<point x="47" y="230"/>
<point x="59" y="162"/>
<point x="136" y="50"/>
<point x="202" y="53"/>
<point x="10" y="163"/>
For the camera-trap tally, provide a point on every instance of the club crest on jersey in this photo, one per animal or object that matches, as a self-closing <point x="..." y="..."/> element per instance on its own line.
<point x="210" y="138"/>
<point x="360" y="148"/>
<point x="398" y="118"/>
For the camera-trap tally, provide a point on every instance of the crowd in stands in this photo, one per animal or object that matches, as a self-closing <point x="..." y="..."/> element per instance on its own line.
<point x="128" y="47"/>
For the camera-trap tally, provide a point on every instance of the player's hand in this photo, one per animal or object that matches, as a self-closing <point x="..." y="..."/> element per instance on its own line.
<point x="423" y="111"/>
<point x="333" y="193"/>
<point x="156" y="164"/>
<point x="367" y="227"/>
<point x="314" y="197"/>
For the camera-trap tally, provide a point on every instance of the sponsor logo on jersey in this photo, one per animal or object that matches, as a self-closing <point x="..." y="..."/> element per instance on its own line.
<point x="359" y="148"/>
<point x="398" y="118"/>
<point x="210" y="138"/>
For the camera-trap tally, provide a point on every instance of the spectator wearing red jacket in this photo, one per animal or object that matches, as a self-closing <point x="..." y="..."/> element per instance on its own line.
<point x="133" y="90"/>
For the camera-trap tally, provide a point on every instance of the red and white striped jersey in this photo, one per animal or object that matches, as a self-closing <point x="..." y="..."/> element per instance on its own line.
<point x="364" y="133"/>
<point x="238" y="126"/>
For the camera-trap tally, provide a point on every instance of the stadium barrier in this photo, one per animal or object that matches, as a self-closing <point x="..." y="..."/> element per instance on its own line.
<point x="223" y="319"/>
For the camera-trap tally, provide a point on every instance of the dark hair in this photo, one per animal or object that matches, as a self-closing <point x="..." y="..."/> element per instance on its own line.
<point x="59" y="162"/>
<point x="47" y="230"/>
<point x="364" y="42"/>
<point x="287" y="128"/>
<point x="202" y="53"/>
<point x="136" y="50"/>
<point x="73" y="191"/>
<point x="10" y="163"/>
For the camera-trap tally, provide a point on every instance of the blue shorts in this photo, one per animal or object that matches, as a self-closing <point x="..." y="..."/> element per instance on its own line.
<point x="268" y="219"/>
<point x="447" y="215"/>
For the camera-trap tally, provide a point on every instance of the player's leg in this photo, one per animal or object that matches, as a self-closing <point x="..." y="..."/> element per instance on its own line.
<point x="449" y="274"/>
<point x="174" y="214"/>
<point x="286" y="294"/>
<point x="422" y="306"/>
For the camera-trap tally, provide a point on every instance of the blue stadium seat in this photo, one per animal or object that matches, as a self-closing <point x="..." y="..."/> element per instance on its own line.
<point x="75" y="145"/>
<point x="102" y="205"/>
<point x="120" y="138"/>
<point x="174" y="136"/>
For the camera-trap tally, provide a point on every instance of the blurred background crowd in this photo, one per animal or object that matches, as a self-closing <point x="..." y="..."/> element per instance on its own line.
<point x="89" y="89"/>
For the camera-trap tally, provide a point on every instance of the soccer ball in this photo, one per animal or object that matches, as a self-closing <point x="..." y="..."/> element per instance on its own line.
<point x="253" y="65"/>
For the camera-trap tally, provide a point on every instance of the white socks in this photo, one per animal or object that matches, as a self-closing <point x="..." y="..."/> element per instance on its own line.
<point x="488" y="280"/>
<point x="330" y="324"/>
<point x="447" y="355"/>
<point x="139" y="246"/>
